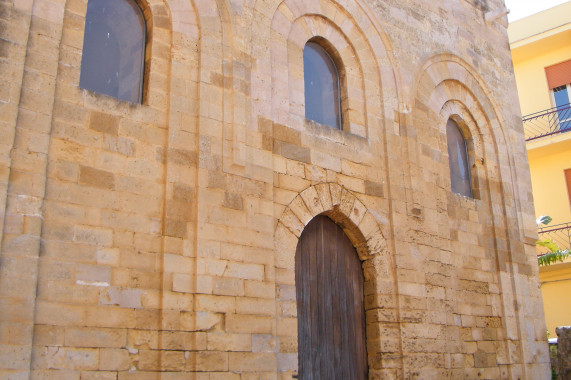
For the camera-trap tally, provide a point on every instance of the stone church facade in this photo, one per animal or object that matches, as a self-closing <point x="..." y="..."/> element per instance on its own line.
<point x="157" y="240"/>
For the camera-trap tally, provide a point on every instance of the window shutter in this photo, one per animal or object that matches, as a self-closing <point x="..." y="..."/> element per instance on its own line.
<point x="568" y="180"/>
<point x="559" y="74"/>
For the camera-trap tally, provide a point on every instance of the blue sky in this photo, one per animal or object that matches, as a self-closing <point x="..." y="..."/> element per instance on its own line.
<point x="523" y="8"/>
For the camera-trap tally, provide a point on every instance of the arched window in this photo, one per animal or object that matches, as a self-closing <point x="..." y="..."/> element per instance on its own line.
<point x="322" y="97"/>
<point x="458" y="160"/>
<point x="114" y="49"/>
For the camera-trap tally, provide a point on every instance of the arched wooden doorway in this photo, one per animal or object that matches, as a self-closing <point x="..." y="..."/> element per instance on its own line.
<point x="330" y="312"/>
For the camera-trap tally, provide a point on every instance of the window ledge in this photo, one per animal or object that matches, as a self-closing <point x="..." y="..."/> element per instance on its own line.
<point x="336" y="135"/>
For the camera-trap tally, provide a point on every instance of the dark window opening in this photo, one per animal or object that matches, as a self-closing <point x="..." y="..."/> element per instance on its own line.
<point x="322" y="96"/>
<point x="114" y="49"/>
<point x="561" y="97"/>
<point x="458" y="160"/>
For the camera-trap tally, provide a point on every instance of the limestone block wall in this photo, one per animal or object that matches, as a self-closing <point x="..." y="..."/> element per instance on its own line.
<point x="157" y="240"/>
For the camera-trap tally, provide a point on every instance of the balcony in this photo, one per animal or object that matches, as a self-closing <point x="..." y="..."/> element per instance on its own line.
<point x="547" y="123"/>
<point x="559" y="234"/>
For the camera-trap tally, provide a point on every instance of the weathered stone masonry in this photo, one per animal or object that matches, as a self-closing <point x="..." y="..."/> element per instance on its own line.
<point x="158" y="240"/>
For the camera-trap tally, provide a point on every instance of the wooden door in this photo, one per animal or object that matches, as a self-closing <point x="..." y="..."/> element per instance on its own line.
<point x="330" y="312"/>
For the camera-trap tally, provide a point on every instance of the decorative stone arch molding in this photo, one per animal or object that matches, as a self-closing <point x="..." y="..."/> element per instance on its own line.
<point x="446" y="77"/>
<point x="447" y="87"/>
<point x="345" y="209"/>
<point x="363" y="58"/>
<point x="465" y="110"/>
<point x="321" y="30"/>
<point x="464" y="118"/>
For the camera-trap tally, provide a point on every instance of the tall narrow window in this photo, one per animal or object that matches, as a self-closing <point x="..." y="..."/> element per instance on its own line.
<point x="559" y="81"/>
<point x="561" y="99"/>
<point x="458" y="160"/>
<point x="322" y="97"/>
<point x="568" y="181"/>
<point x="114" y="49"/>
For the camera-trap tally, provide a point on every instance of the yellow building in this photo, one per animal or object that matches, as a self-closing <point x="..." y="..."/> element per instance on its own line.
<point x="541" y="52"/>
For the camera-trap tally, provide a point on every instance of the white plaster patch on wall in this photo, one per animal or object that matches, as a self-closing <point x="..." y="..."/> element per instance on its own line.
<point x="29" y="206"/>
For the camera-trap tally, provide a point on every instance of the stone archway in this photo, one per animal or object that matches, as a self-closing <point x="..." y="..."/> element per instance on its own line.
<point x="360" y="226"/>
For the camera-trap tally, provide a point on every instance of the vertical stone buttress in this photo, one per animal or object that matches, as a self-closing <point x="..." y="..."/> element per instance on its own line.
<point x="32" y="59"/>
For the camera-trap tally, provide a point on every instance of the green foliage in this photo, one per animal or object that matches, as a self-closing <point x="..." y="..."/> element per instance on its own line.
<point x="553" y="257"/>
<point x="549" y="244"/>
<point x="553" y="357"/>
<point x="555" y="254"/>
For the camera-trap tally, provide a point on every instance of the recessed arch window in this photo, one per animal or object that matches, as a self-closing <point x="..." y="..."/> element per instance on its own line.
<point x="322" y="95"/>
<point x="458" y="160"/>
<point x="114" y="49"/>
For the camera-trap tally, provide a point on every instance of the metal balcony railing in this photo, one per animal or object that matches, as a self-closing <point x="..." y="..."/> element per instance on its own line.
<point x="547" y="122"/>
<point x="559" y="234"/>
